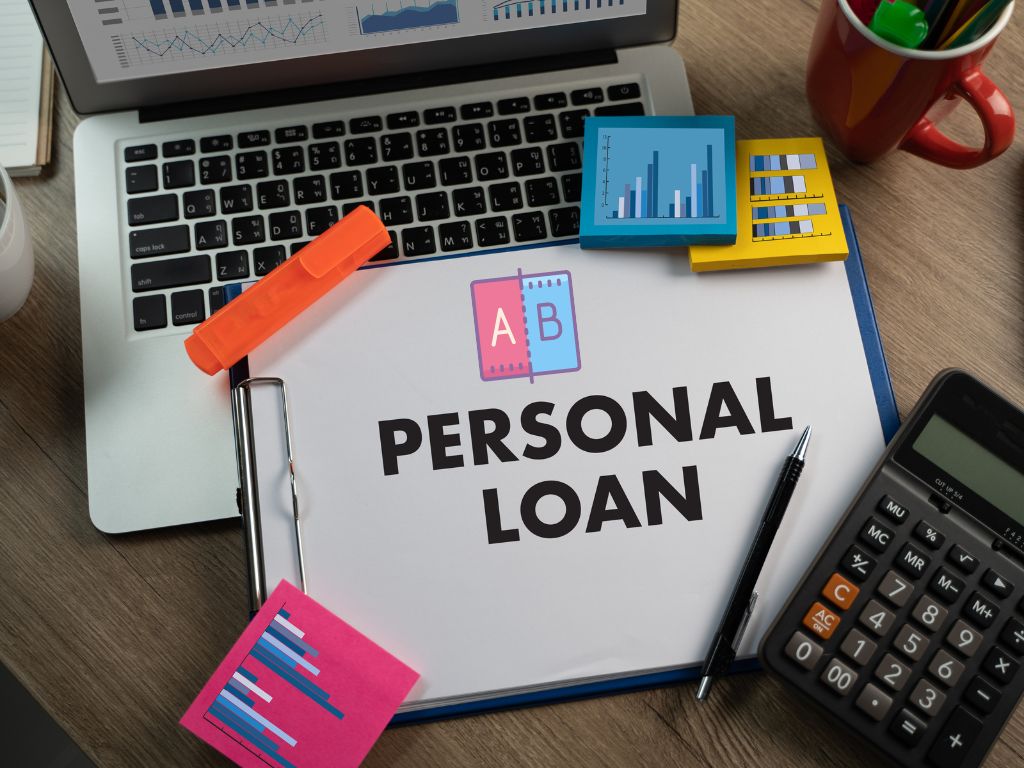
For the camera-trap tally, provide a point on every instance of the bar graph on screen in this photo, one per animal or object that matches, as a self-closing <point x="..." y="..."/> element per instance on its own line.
<point x="520" y="9"/>
<point x="400" y="15"/>
<point x="177" y="9"/>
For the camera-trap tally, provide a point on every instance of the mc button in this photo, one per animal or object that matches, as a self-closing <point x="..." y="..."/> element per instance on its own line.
<point x="875" y="535"/>
<point x="841" y="591"/>
<point x="821" y="621"/>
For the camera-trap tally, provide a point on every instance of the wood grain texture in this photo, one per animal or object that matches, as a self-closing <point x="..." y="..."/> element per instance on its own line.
<point x="115" y="635"/>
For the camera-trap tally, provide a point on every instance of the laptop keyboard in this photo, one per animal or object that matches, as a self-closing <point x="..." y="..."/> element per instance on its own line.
<point x="211" y="210"/>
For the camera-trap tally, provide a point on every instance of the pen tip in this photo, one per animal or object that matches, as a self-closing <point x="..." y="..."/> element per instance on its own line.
<point x="801" y="447"/>
<point x="704" y="688"/>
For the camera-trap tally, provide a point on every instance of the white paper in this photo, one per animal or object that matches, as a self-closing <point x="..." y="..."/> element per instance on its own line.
<point x="21" y="68"/>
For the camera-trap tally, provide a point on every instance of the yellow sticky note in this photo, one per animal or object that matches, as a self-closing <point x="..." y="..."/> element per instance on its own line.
<point x="786" y="209"/>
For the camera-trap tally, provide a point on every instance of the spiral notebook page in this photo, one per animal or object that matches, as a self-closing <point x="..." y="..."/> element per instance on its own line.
<point x="21" y="62"/>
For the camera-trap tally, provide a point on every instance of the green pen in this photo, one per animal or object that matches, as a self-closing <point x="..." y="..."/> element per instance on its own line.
<point x="900" y="22"/>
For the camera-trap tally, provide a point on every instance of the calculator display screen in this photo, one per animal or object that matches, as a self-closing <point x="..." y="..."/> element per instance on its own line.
<point x="972" y="464"/>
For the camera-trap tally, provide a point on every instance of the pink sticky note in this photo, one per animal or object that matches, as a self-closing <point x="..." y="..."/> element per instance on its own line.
<point x="299" y="688"/>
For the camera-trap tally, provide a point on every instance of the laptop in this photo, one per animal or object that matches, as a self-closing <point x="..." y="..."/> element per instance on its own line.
<point x="226" y="134"/>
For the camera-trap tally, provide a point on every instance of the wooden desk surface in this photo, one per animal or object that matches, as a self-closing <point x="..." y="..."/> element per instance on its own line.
<point x="115" y="635"/>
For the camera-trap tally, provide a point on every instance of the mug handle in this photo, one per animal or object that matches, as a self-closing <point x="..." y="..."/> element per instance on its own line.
<point x="927" y="141"/>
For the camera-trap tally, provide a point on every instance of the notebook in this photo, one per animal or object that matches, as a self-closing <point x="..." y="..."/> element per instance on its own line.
<point x="533" y="474"/>
<point x="27" y="92"/>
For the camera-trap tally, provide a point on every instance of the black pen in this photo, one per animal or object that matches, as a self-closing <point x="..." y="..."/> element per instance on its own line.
<point x="741" y="604"/>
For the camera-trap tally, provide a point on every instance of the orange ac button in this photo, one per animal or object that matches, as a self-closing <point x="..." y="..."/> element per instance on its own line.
<point x="821" y="621"/>
<point x="841" y="591"/>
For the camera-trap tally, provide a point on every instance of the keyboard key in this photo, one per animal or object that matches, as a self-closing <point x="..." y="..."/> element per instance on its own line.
<point x="893" y="672"/>
<point x="542" y="192"/>
<point x="912" y="561"/>
<point x="403" y="120"/>
<point x="873" y="703"/>
<point x="466" y="138"/>
<point x="572" y="184"/>
<point x="346" y="185"/>
<point x="432" y="205"/>
<point x="328" y="130"/>
<point x="170" y="273"/>
<point x="152" y="210"/>
<point x="945" y="668"/>
<point x="288" y="160"/>
<point x="490" y="166"/>
<point x="624" y="91"/>
<point x="217" y="300"/>
<point x="876" y="535"/>
<point x="439" y="115"/>
<point x="620" y="110"/>
<point x="141" y="178"/>
<point x="179" y="148"/>
<point x="927" y="697"/>
<point x="456" y="236"/>
<point x="187" y="307"/>
<point x="565" y="222"/>
<point x="251" y="165"/>
<point x="877" y="617"/>
<point x="383" y="180"/>
<point x="571" y="123"/>
<point x="964" y="638"/>
<point x="291" y="134"/>
<point x="1013" y="636"/>
<point x="216" y="143"/>
<point x="858" y="646"/>
<point x="164" y="241"/>
<point x="432" y="141"/>
<point x="895" y="588"/>
<point x="180" y="173"/>
<point x="319" y="220"/>
<point x="309" y="189"/>
<point x="506" y="197"/>
<point x="504" y="133"/>
<point x="199" y="203"/>
<point x="946" y="586"/>
<point x="247" y="230"/>
<point x="365" y="124"/>
<point x="529" y="226"/>
<point x="395" y="211"/>
<point x="962" y="559"/>
<point x="564" y="157"/>
<point x="469" y="201"/>
<point x="389" y="251"/>
<point x="1000" y="666"/>
<point x="540" y="128"/>
<point x="839" y="677"/>
<point x="549" y="101"/>
<point x="857" y="563"/>
<point x="347" y="208"/>
<point x="361" y="151"/>
<point x="211" y="234"/>
<point x="929" y="613"/>
<point x="476" y="111"/>
<point x="324" y="156"/>
<point x="237" y="199"/>
<point x="266" y="258"/>
<point x="928" y="536"/>
<point x="492" y="231"/>
<point x="455" y="170"/>
<point x="253" y="139"/>
<point x="286" y="225"/>
<point x="587" y="96"/>
<point x="980" y="610"/>
<point x="396" y="146"/>
<point x="149" y="312"/>
<point x="419" y="175"/>
<point x="821" y="621"/>
<point x="955" y="739"/>
<point x="215" y="170"/>
<point x="911" y="643"/>
<point x="513" y="106"/>
<point x="996" y="584"/>
<point x="892" y="509"/>
<point x="273" y="194"/>
<point x="418" y="241"/>
<point x="840" y="591"/>
<point x="982" y="695"/>
<point x="907" y="728"/>
<point x="528" y="161"/>
<point x="295" y="247"/>
<point x="232" y="265"/>
<point x="139" y="153"/>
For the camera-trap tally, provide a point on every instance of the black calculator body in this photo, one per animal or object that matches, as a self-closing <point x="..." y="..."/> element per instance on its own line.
<point x="909" y="626"/>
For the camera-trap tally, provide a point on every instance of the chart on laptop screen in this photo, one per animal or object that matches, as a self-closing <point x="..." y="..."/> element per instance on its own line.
<point x="142" y="38"/>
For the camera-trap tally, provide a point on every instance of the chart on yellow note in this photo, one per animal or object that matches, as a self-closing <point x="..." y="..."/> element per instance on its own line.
<point x="141" y="38"/>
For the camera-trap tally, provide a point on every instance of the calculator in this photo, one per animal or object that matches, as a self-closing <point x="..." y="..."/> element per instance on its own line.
<point x="909" y="626"/>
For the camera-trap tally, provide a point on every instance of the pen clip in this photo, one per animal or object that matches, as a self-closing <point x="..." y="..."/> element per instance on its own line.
<point x="747" y="613"/>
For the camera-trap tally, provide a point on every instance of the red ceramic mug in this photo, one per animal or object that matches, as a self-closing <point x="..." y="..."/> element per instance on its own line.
<point x="872" y="96"/>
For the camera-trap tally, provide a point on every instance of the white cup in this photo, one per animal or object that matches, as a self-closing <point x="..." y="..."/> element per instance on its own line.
<point x="16" y="265"/>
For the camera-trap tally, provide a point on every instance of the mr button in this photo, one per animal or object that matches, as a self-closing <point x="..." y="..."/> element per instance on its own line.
<point x="841" y="591"/>
<point x="821" y="621"/>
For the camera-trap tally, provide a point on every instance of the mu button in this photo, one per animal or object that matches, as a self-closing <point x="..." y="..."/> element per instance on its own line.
<point x="840" y="591"/>
<point x="821" y="621"/>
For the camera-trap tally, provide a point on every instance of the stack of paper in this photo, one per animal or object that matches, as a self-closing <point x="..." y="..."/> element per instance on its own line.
<point x="26" y="91"/>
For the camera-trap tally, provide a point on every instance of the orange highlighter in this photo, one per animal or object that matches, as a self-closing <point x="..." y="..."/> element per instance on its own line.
<point x="254" y="316"/>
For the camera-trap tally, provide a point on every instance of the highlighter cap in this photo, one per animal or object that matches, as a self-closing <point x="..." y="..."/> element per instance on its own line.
<point x="900" y="22"/>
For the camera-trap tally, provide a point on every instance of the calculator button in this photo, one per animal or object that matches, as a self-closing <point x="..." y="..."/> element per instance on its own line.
<point x="910" y="643"/>
<point x="1013" y="636"/>
<point x="946" y="586"/>
<point x="955" y="739"/>
<point x="895" y="589"/>
<point x="945" y="668"/>
<point x="877" y="618"/>
<point x="893" y="672"/>
<point x="962" y="559"/>
<point x="996" y="584"/>
<point x="858" y="646"/>
<point x="856" y="563"/>
<point x="821" y="621"/>
<point x="875" y="535"/>
<point x="999" y="665"/>
<point x="929" y="613"/>
<point x="907" y="728"/>
<point x="803" y="650"/>
<point x="892" y="509"/>
<point x="964" y="638"/>
<point x="873" y="703"/>
<point x="912" y="561"/>
<point x="928" y="536"/>
<point x="927" y="697"/>
<point x="841" y="591"/>
<point x="979" y="610"/>
<point x="982" y="695"/>
<point x="839" y="677"/>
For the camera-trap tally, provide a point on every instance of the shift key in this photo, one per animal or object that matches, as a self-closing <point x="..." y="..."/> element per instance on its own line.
<point x="154" y="209"/>
<point x="170" y="273"/>
<point x="162" y="241"/>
